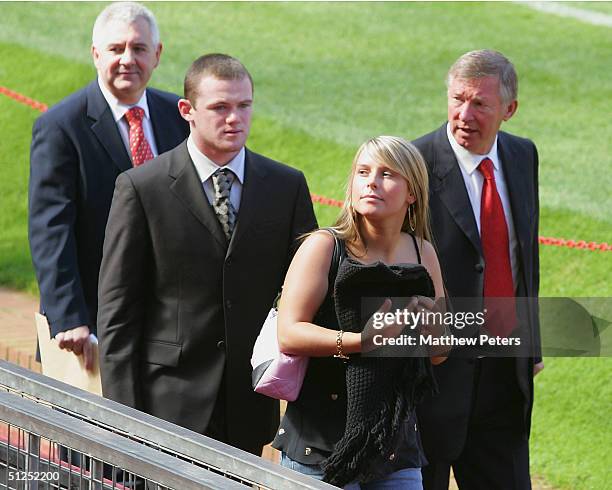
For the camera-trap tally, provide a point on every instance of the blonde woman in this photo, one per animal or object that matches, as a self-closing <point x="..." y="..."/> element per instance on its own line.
<point x="384" y="222"/>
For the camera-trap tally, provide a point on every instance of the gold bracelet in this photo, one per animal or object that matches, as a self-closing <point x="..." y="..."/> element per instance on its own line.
<point x="340" y="353"/>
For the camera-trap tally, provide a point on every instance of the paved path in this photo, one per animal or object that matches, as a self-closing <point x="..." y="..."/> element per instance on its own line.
<point x="17" y="329"/>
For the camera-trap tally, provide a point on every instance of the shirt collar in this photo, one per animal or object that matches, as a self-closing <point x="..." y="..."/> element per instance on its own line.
<point x="206" y="167"/>
<point x="118" y="108"/>
<point x="468" y="160"/>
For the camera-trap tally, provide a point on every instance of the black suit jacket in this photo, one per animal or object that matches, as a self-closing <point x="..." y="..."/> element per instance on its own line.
<point x="445" y="417"/>
<point x="179" y="312"/>
<point x="75" y="157"/>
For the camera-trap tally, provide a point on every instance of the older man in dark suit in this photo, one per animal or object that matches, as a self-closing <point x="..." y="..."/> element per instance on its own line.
<point x="197" y="246"/>
<point x="78" y="148"/>
<point x="484" y="212"/>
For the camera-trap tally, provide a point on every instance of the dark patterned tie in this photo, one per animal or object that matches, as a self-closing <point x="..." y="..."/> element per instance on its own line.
<point x="498" y="285"/>
<point x="222" y="181"/>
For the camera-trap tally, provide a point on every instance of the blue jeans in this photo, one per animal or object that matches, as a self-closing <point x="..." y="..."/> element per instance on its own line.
<point x="313" y="470"/>
<point x="406" y="479"/>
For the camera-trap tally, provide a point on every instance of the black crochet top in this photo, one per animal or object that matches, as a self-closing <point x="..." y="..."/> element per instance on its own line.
<point x="381" y="391"/>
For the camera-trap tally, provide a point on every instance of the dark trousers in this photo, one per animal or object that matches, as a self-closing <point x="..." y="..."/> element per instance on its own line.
<point x="496" y="451"/>
<point x="217" y="426"/>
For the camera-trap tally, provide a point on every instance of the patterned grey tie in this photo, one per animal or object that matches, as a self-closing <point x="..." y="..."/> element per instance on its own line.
<point x="222" y="181"/>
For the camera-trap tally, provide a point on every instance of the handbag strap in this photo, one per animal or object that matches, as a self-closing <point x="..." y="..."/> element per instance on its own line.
<point x="337" y="256"/>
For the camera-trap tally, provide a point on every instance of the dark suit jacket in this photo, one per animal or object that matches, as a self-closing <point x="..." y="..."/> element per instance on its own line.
<point x="76" y="155"/>
<point x="178" y="309"/>
<point x="445" y="418"/>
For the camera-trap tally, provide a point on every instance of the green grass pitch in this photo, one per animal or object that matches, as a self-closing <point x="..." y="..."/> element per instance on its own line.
<point x="328" y="76"/>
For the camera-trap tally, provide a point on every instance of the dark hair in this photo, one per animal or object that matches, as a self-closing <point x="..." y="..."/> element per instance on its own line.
<point x="220" y="66"/>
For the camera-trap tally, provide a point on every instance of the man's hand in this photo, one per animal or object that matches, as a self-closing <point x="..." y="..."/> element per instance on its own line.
<point x="538" y="367"/>
<point x="77" y="341"/>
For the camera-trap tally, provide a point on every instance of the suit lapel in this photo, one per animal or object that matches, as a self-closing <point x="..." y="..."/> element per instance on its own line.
<point x="253" y="188"/>
<point x="188" y="189"/>
<point x="164" y="127"/>
<point x="515" y="170"/>
<point x="450" y="187"/>
<point x="105" y="127"/>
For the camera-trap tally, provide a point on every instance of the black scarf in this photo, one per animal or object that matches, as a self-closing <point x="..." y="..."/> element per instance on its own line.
<point x="381" y="391"/>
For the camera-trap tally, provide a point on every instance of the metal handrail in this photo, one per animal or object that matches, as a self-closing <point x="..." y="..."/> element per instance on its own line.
<point x="169" y="437"/>
<point x="108" y="447"/>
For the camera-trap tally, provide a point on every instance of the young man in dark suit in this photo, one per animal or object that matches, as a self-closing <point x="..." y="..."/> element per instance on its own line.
<point x="484" y="213"/>
<point x="78" y="148"/>
<point x="197" y="246"/>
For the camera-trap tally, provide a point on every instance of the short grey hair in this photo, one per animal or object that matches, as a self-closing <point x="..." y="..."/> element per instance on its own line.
<point x="127" y="12"/>
<point x="486" y="63"/>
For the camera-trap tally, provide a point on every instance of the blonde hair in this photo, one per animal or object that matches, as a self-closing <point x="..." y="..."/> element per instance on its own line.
<point x="405" y="159"/>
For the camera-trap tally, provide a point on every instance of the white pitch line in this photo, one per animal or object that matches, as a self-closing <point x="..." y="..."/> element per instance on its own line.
<point x="589" y="16"/>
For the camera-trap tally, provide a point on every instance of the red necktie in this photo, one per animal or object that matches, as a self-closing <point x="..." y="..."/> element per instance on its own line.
<point x="500" y="317"/>
<point x="139" y="146"/>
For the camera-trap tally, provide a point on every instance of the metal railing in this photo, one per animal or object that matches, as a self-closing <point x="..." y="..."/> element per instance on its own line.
<point x="114" y="446"/>
<point x="38" y="424"/>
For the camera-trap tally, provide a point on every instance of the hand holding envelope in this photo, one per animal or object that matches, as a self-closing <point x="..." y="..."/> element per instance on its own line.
<point x="66" y="366"/>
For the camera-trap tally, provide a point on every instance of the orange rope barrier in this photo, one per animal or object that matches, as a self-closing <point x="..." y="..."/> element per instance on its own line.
<point x="326" y="201"/>
<point x="22" y="99"/>
<point x="560" y="242"/>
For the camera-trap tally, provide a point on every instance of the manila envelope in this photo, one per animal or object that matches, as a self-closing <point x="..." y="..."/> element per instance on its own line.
<point x="63" y="365"/>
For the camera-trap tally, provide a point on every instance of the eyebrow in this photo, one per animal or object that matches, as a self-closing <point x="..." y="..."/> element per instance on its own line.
<point x="224" y="101"/>
<point x="123" y="43"/>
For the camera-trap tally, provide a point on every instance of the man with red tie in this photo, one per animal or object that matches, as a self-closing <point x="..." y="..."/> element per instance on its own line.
<point x="484" y="212"/>
<point x="78" y="148"/>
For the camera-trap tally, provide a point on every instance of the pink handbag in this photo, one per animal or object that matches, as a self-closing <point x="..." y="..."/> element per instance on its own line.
<point x="276" y="374"/>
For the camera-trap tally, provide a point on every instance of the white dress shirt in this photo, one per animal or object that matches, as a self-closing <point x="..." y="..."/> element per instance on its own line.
<point x="473" y="179"/>
<point x="206" y="167"/>
<point x="119" y="109"/>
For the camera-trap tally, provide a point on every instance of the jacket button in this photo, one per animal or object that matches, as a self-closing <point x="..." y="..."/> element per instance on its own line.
<point x="307" y="451"/>
<point x="228" y="304"/>
<point x="281" y="431"/>
<point x="228" y="262"/>
<point x="478" y="267"/>
<point x="392" y="457"/>
<point x="334" y="396"/>
<point x="221" y="345"/>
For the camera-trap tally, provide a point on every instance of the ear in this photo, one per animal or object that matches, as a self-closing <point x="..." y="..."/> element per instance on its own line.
<point x="185" y="109"/>
<point x="410" y="199"/>
<point x="510" y="109"/>
<point x="95" y="54"/>
<point x="158" y="52"/>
